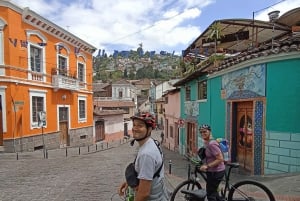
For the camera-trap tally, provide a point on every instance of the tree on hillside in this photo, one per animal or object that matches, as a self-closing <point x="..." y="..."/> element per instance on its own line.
<point x="146" y="72"/>
<point x="125" y="73"/>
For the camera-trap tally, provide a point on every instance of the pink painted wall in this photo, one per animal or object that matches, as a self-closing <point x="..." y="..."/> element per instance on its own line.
<point x="172" y="115"/>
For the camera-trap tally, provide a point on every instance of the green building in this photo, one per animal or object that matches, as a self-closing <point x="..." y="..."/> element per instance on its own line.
<point x="252" y="99"/>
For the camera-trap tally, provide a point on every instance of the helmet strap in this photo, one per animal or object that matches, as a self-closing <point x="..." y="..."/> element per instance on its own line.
<point x="140" y="139"/>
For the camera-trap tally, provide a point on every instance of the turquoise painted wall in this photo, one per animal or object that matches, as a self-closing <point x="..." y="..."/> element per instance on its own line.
<point x="283" y="96"/>
<point x="182" y="132"/>
<point x="217" y="107"/>
<point x="282" y="142"/>
<point x="212" y="111"/>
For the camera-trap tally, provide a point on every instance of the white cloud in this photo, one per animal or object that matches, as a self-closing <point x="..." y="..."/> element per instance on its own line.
<point x="158" y="24"/>
<point x="282" y="7"/>
<point x="124" y="24"/>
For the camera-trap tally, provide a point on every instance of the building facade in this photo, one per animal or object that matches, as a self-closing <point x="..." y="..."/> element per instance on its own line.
<point x="45" y="83"/>
<point x="252" y="99"/>
<point x="172" y="119"/>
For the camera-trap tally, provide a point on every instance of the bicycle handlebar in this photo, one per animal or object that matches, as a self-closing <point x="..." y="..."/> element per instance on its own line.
<point x="197" y="163"/>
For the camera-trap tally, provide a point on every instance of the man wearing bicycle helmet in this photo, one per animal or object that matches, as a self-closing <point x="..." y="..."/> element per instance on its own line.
<point x="214" y="163"/>
<point x="148" y="163"/>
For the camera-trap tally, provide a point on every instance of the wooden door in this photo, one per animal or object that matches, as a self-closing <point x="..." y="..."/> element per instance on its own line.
<point x="125" y="129"/>
<point x="245" y="135"/>
<point x="99" y="131"/>
<point x="64" y="135"/>
<point x="191" y="138"/>
<point x="63" y="126"/>
<point x="176" y="136"/>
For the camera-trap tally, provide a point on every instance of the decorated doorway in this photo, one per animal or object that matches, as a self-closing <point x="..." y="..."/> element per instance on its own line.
<point x="244" y="135"/>
<point x="191" y="138"/>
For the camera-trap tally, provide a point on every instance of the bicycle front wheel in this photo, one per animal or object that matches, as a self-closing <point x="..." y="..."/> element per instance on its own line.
<point x="177" y="195"/>
<point x="250" y="191"/>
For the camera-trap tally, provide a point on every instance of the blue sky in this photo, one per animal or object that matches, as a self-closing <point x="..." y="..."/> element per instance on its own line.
<point x="160" y="25"/>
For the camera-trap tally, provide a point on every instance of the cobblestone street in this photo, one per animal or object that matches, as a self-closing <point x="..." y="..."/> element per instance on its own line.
<point x="93" y="175"/>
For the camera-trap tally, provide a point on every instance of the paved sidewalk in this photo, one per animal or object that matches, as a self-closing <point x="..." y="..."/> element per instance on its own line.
<point x="285" y="187"/>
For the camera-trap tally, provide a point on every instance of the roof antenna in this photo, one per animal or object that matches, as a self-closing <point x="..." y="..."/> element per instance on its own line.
<point x="273" y="16"/>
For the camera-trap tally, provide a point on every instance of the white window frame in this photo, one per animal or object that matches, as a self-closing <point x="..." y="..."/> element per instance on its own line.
<point x="67" y="64"/>
<point x="84" y="71"/>
<point x="66" y="47"/>
<point x="38" y="93"/>
<point x="43" y="48"/>
<point x="2" y="25"/>
<point x="3" y="100"/>
<point x="82" y="98"/>
<point x="188" y="93"/>
<point x="82" y="62"/>
<point x="198" y="90"/>
<point x="42" y="58"/>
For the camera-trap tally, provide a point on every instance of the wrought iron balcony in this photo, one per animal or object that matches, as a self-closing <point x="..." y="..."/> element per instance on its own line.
<point x="64" y="79"/>
<point x="65" y="82"/>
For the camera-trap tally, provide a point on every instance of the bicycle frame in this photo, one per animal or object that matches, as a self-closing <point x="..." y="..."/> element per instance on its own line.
<point x="235" y="191"/>
<point x="226" y="179"/>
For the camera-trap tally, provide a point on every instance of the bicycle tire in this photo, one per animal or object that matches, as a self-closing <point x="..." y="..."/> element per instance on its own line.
<point x="187" y="185"/>
<point x="249" y="190"/>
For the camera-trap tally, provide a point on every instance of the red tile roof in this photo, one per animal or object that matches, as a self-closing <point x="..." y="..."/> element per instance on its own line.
<point x="114" y="103"/>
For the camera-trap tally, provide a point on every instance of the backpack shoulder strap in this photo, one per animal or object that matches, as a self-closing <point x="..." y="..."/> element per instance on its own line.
<point x="157" y="173"/>
<point x="157" y="143"/>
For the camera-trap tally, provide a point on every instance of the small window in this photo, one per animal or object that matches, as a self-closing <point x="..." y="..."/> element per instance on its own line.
<point x="161" y="109"/>
<point x="120" y="94"/>
<point x="82" y="109"/>
<point x="37" y="105"/>
<point x="166" y="100"/>
<point x="62" y="65"/>
<point x="63" y="114"/>
<point x="202" y="90"/>
<point x="81" y="72"/>
<point x="36" y="59"/>
<point x="188" y="93"/>
<point x="171" y="132"/>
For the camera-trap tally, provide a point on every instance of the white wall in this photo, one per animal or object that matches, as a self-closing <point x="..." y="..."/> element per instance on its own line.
<point x="114" y="124"/>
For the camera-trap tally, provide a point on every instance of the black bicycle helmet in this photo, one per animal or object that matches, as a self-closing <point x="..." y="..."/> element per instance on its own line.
<point x="205" y="126"/>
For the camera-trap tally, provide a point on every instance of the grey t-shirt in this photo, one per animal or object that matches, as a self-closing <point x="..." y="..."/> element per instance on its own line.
<point x="148" y="161"/>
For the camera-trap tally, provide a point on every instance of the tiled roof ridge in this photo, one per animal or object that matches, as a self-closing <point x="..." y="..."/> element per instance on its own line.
<point x="289" y="44"/>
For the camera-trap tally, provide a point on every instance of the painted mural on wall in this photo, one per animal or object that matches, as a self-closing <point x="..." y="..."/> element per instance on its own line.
<point x="245" y="83"/>
<point x="191" y="108"/>
<point x="245" y="137"/>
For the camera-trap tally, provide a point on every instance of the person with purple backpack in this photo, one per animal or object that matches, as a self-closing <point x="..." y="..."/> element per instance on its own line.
<point x="213" y="163"/>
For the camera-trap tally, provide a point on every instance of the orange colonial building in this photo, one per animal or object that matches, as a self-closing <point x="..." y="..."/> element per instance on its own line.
<point x="46" y="97"/>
